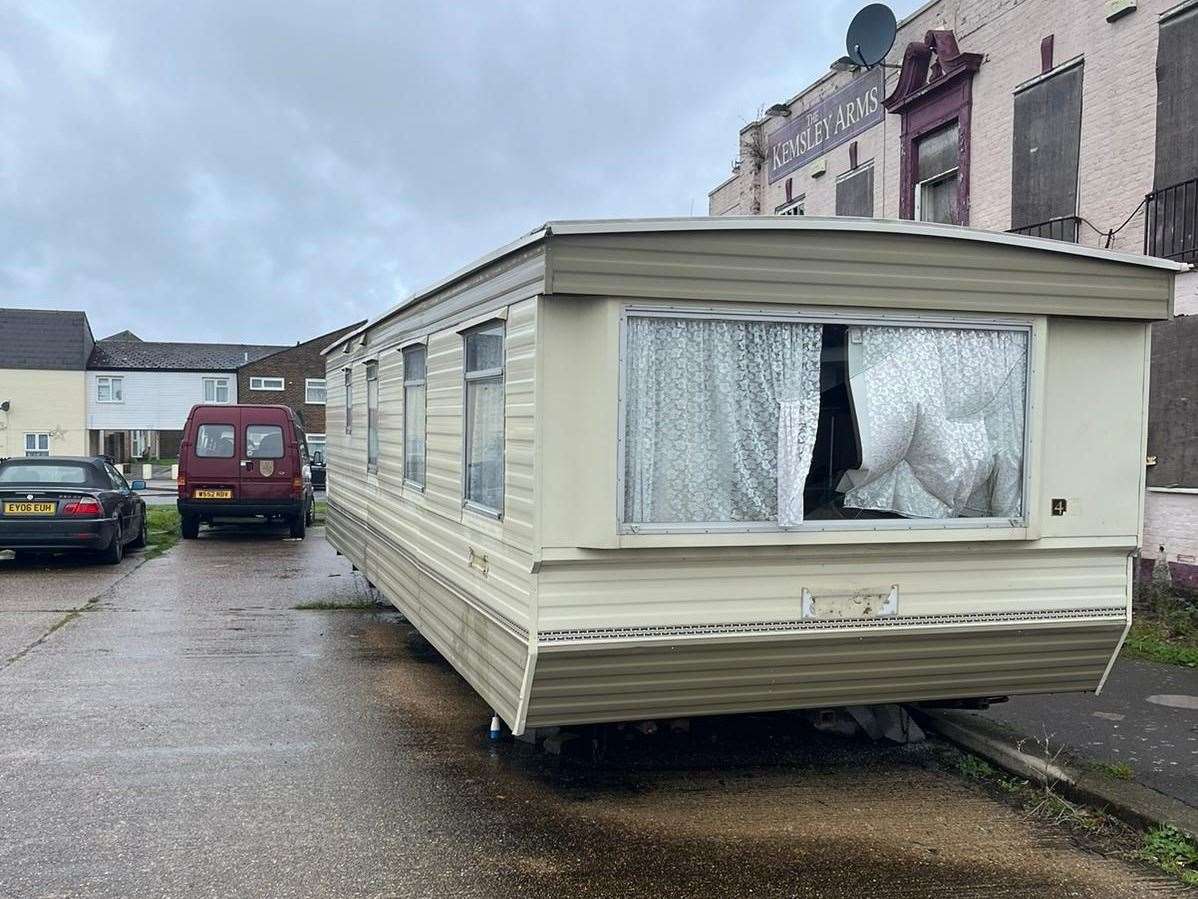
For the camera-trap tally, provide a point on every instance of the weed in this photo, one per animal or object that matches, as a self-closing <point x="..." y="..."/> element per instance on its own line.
<point x="335" y="606"/>
<point x="975" y="768"/>
<point x="320" y="511"/>
<point x="1172" y="851"/>
<point x="1164" y="626"/>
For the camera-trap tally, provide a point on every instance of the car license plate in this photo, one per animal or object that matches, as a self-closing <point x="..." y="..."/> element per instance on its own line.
<point x="213" y="494"/>
<point x="30" y="508"/>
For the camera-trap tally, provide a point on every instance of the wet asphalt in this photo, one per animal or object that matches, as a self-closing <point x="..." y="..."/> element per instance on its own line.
<point x="190" y="733"/>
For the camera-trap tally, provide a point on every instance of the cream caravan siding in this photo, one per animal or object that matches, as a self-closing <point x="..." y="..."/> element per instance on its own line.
<point x="766" y="673"/>
<point x="736" y="587"/>
<point x="853" y="268"/>
<point x="463" y="578"/>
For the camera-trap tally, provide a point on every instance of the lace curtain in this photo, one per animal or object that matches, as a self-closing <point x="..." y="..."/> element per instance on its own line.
<point x="940" y="413"/>
<point x="720" y="420"/>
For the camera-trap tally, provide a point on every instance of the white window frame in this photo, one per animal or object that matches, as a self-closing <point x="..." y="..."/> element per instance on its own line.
<point x="468" y="377"/>
<point x="797" y="206"/>
<point x="349" y="400"/>
<point x="1008" y="528"/>
<point x="216" y="383"/>
<point x="953" y="173"/>
<point x="418" y="382"/>
<point x="318" y="384"/>
<point x="260" y="383"/>
<point x="111" y="382"/>
<point x="39" y="437"/>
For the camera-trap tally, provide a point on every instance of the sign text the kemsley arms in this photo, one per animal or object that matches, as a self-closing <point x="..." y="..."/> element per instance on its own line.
<point x="811" y="132"/>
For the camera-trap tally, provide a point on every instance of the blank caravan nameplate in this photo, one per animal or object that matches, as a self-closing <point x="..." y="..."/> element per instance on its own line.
<point x="869" y="603"/>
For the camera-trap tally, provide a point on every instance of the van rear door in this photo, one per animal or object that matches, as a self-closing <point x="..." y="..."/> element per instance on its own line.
<point x="213" y="471"/>
<point x="268" y="457"/>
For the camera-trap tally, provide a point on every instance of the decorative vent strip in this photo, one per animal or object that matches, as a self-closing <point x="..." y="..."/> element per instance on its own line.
<point x="901" y="622"/>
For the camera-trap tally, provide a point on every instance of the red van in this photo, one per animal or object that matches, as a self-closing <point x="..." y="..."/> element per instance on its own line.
<point x="244" y="461"/>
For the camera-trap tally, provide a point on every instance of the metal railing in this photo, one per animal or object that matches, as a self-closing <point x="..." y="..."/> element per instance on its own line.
<point x="1063" y="227"/>
<point x="1171" y="222"/>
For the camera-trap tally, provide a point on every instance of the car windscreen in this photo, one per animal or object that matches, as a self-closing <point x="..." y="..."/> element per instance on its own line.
<point x="25" y="473"/>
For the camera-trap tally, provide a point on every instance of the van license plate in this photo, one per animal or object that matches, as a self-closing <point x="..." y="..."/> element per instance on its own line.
<point x="30" y="508"/>
<point x="213" y="494"/>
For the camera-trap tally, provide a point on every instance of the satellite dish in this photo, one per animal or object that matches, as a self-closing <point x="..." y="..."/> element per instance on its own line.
<point x="871" y="34"/>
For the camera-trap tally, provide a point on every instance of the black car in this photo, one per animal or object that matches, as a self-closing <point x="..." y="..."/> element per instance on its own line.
<point x="52" y="504"/>
<point x="320" y="471"/>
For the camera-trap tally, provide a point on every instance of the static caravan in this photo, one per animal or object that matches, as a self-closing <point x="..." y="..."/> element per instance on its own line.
<point x="621" y="470"/>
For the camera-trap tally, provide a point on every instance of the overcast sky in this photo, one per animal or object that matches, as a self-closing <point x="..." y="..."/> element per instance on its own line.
<point x="265" y="172"/>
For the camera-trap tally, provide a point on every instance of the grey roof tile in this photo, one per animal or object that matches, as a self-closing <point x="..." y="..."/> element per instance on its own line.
<point x="44" y="339"/>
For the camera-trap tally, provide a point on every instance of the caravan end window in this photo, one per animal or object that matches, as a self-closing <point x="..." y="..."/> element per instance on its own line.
<point x="483" y="486"/>
<point x="752" y="424"/>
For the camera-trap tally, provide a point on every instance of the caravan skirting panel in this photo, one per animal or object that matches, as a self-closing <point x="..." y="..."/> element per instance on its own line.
<point x="579" y="683"/>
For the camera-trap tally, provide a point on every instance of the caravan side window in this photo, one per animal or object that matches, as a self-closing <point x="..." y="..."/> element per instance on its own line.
<point x="414" y="359"/>
<point x="349" y="401"/>
<point x="761" y="424"/>
<point x="372" y="416"/>
<point x="483" y="462"/>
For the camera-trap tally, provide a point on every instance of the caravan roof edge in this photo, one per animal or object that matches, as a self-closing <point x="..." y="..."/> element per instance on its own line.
<point x="766" y="223"/>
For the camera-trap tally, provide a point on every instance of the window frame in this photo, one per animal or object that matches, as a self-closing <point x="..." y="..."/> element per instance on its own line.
<point x="420" y="382"/>
<point x="485" y="375"/>
<point x="261" y="383"/>
<point x="1006" y="528"/>
<point x="110" y="381"/>
<point x="372" y="422"/>
<point x="308" y="384"/>
<point x="38" y="452"/>
<point x="216" y="382"/>
<point x="349" y="400"/>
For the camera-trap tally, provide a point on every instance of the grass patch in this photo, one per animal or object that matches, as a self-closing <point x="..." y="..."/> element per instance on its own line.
<point x="346" y="606"/>
<point x="1118" y="770"/>
<point x="320" y="511"/>
<point x="1172" y="851"/>
<point x="1164" y="627"/>
<point x="162" y="525"/>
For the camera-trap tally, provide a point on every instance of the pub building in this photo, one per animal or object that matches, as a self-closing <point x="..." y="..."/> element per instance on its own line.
<point x="1074" y="120"/>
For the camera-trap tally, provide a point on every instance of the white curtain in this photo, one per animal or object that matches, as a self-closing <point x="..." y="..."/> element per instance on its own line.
<point x="940" y="413"/>
<point x="720" y="419"/>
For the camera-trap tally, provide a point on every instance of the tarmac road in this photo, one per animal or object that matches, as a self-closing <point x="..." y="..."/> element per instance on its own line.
<point x="191" y="733"/>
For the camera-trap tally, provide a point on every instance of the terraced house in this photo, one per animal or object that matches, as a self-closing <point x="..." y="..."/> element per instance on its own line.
<point x="139" y="392"/>
<point x="1068" y="119"/>
<point x="43" y="357"/>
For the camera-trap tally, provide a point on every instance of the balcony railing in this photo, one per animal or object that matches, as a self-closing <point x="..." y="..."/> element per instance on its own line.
<point x="1063" y="227"/>
<point x="1171" y="222"/>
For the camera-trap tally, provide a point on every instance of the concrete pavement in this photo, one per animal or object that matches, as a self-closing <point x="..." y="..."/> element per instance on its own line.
<point x="1134" y="720"/>
<point x="191" y="733"/>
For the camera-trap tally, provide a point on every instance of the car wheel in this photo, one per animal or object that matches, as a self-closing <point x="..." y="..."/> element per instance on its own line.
<point x="139" y="542"/>
<point x="310" y="515"/>
<point x="190" y="526"/>
<point x="299" y="526"/>
<point x="115" y="552"/>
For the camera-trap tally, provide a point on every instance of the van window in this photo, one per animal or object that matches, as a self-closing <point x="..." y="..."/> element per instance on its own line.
<point x="214" y="442"/>
<point x="264" y="442"/>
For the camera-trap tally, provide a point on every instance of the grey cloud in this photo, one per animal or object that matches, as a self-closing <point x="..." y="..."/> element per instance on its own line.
<point x="265" y="171"/>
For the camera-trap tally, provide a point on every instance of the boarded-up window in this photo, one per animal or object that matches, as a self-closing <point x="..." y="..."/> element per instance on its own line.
<point x="855" y="192"/>
<point x="1177" y="100"/>
<point x="1173" y="403"/>
<point x="1048" y="119"/>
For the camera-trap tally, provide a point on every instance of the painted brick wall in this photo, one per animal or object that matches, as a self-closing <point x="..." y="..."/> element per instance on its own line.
<point x="294" y="366"/>
<point x="1171" y="526"/>
<point x="1117" y="136"/>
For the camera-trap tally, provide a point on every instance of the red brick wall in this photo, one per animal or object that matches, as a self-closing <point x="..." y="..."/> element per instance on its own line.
<point x="294" y="366"/>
